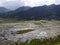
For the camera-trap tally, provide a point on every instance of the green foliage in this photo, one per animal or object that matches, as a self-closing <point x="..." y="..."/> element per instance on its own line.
<point x="50" y="41"/>
<point x="22" y="44"/>
<point x="5" y="44"/>
<point x="35" y="42"/>
<point x="12" y="44"/>
<point x="57" y="43"/>
<point x="23" y="31"/>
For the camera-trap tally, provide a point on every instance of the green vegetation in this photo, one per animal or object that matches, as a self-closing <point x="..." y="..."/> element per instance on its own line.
<point x="57" y="43"/>
<point x="23" y="43"/>
<point x="23" y="31"/>
<point x="5" y="43"/>
<point x="37" y="23"/>
<point x="43" y="21"/>
<point x="50" y="41"/>
<point x="12" y="44"/>
<point x="4" y="20"/>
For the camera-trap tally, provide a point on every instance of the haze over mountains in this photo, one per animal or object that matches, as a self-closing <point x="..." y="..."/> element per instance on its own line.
<point x="4" y="10"/>
<point x="13" y="4"/>
<point x="35" y="13"/>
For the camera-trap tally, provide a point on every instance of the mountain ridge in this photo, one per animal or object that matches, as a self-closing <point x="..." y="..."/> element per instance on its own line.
<point x="37" y="13"/>
<point x="4" y="10"/>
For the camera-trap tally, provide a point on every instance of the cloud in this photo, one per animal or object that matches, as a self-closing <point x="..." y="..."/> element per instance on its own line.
<point x="57" y="1"/>
<point x="33" y="3"/>
<point x="11" y="0"/>
<point x="13" y="4"/>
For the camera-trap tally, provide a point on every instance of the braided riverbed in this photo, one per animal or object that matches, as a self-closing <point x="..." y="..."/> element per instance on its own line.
<point x="41" y="30"/>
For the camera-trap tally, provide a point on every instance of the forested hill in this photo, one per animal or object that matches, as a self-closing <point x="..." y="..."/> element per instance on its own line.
<point x="35" y="13"/>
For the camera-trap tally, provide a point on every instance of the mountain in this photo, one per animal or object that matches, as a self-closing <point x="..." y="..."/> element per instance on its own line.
<point x="20" y="9"/>
<point x="36" y="13"/>
<point x="24" y="8"/>
<point x="3" y="10"/>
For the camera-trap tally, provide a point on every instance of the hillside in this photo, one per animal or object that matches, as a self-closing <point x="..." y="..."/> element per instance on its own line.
<point x="3" y="10"/>
<point x="36" y="13"/>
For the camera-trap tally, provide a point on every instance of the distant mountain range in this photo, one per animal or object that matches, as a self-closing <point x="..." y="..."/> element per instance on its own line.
<point x="3" y="10"/>
<point x="35" y="13"/>
<point x="23" y="8"/>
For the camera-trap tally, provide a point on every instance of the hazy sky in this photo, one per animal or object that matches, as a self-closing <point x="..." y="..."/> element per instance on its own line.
<point x="13" y="4"/>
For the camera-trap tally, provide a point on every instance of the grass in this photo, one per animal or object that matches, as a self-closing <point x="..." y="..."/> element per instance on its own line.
<point x="50" y="41"/>
<point x="43" y="21"/>
<point x="37" y="23"/>
<point x="57" y="43"/>
<point x="24" y="31"/>
<point x="5" y="44"/>
<point x="7" y="20"/>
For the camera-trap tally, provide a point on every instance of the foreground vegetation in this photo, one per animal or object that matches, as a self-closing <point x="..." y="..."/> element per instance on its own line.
<point x="50" y="41"/>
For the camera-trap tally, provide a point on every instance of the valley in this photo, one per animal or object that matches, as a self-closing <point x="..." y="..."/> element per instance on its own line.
<point x="27" y="30"/>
